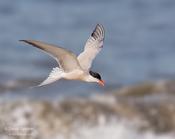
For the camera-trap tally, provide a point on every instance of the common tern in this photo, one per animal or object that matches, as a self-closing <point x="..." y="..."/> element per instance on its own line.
<point x="72" y="67"/>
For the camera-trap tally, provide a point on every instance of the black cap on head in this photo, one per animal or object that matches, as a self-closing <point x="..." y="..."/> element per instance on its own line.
<point x="95" y="74"/>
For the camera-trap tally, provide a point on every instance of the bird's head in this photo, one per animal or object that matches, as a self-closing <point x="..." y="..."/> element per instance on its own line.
<point x="97" y="78"/>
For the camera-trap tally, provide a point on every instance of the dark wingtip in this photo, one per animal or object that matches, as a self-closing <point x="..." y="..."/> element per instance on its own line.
<point x="98" y="32"/>
<point x="98" y="24"/>
<point x="33" y="43"/>
<point x="26" y="41"/>
<point x="22" y="40"/>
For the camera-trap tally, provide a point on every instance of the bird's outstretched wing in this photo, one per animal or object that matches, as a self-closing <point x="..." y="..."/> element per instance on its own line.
<point x="66" y="59"/>
<point x="92" y="47"/>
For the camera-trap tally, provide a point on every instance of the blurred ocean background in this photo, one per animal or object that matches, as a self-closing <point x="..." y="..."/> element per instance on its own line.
<point x="139" y="47"/>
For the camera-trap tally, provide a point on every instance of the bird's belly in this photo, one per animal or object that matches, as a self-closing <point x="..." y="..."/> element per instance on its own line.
<point x="74" y="75"/>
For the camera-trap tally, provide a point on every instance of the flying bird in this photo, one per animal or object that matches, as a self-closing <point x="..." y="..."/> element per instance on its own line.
<point x="72" y="67"/>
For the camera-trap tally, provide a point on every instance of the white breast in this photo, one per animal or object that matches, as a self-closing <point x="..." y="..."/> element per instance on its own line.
<point x="74" y="75"/>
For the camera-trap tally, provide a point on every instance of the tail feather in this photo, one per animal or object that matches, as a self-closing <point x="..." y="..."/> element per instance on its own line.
<point x="53" y="76"/>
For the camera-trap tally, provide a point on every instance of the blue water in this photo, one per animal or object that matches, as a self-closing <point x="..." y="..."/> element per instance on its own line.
<point x="139" y="43"/>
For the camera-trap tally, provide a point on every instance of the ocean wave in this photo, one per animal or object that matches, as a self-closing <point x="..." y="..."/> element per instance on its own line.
<point x="99" y="116"/>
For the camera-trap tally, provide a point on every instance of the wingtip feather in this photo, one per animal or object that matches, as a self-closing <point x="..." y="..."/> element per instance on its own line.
<point x="98" y="31"/>
<point x="23" y="41"/>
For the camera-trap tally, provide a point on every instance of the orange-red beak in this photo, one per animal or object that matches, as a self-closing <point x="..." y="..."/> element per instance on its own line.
<point x="101" y="82"/>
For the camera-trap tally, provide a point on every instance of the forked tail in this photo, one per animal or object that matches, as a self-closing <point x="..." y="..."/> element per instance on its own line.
<point x="55" y="75"/>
